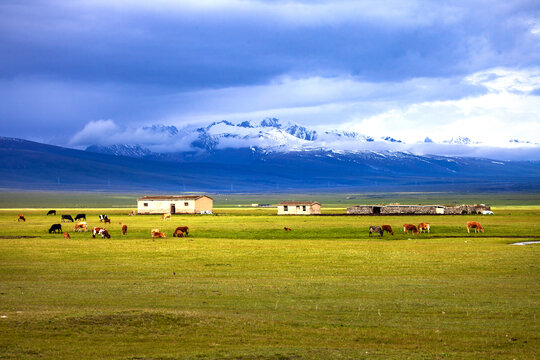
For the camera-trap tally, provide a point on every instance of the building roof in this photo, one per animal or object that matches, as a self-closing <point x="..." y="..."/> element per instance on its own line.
<point x="299" y="203"/>
<point x="172" y="197"/>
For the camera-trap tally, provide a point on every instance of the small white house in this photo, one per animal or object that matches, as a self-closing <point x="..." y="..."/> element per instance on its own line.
<point x="299" y="208"/>
<point x="175" y="204"/>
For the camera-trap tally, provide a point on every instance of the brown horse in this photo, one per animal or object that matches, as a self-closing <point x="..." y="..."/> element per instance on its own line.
<point x="411" y="227"/>
<point x="474" y="225"/>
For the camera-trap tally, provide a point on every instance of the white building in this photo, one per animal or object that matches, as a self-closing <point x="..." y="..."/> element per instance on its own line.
<point x="175" y="204"/>
<point x="299" y="208"/>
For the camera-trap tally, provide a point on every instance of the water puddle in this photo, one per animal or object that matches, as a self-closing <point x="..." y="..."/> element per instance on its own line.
<point x="526" y="243"/>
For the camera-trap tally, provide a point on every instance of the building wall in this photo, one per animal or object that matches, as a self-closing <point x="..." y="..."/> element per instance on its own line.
<point x="204" y="204"/>
<point x="360" y="210"/>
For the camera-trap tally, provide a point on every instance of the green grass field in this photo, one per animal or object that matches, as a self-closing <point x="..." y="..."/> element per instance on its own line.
<point x="239" y="287"/>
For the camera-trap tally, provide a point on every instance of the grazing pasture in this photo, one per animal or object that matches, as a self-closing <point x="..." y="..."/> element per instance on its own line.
<point x="240" y="287"/>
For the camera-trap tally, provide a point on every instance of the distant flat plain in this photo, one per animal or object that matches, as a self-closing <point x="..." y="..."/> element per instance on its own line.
<point x="239" y="287"/>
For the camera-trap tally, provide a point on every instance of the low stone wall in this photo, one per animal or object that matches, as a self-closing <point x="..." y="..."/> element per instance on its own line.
<point x="360" y="210"/>
<point x="416" y="209"/>
<point x="412" y="209"/>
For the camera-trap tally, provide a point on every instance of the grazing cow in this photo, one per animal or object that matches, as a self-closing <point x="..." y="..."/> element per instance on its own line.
<point x="124" y="228"/>
<point x="21" y="217"/>
<point x="178" y="233"/>
<point x="157" y="234"/>
<point x="106" y="221"/>
<point x="51" y="212"/>
<point x="166" y="216"/>
<point x="183" y="229"/>
<point x="388" y="229"/>
<point x="102" y="217"/>
<point x="67" y="217"/>
<point x="81" y="226"/>
<point x="80" y="217"/>
<point x="55" y="228"/>
<point x="287" y="229"/>
<point x="66" y="236"/>
<point x="100" y="231"/>
<point x="375" y="229"/>
<point x="131" y="213"/>
<point x="474" y="225"/>
<point x="423" y="226"/>
<point x="411" y="227"/>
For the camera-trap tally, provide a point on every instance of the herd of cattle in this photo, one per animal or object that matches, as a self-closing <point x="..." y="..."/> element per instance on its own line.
<point x="182" y="231"/>
<point x="422" y="227"/>
<point x="82" y="225"/>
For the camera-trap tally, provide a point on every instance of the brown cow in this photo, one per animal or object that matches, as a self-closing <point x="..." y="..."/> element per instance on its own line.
<point x="287" y="229"/>
<point x="157" y="234"/>
<point x="21" y="217"/>
<point x="166" y="216"/>
<point x="411" y="227"/>
<point x="106" y="221"/>
<point x="424" y="226"/>
<point x="131" y="213"/>
<point x="66" y="236"/>
<point x="474" y="225"/>
<point x="183" y="229"/>
<point x="387" y="228"/>
<point x="124" y="228"/>
<point x="81" y="226"/>
<point x="178" y="233"/>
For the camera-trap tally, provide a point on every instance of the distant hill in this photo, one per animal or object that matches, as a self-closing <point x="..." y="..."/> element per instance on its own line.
<point x="30" y="165"/>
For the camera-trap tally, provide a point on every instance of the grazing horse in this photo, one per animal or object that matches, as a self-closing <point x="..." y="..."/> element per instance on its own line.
<point x="102" y="217"/>
<point x="124" y="228"/>
<point x="287" y="229"/>
<point x="157" y="234"/>
<point x="411" y="227"/>
<point x="388" y="229"/>
<point x="66" y="236"/>
<point x="376" y="230"/>
<point x="101" y="231"/>
<point x="51" y="212"/>
<point x="166" y="216"/>
<point x="474" y="225"/>
<point x="67" y="218"/>
<point x="21" y="217"/>
<point x="55" y="228"/>
<point x="81" y="226"/>
<point x="80" y="217"/>
<point x="183" y="229"/>
<point x="424" y="226"/>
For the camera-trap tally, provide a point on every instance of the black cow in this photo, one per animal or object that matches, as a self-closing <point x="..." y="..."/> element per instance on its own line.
<point x="102" y="217"/>
<point x="80" y="217"/>
<point x="55" y="228"/>
<point x="67" y="217"/>
<point x="51" y="212"/>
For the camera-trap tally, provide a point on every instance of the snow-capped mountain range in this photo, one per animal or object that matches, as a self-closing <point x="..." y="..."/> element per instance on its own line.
<point x="273" y="135"/>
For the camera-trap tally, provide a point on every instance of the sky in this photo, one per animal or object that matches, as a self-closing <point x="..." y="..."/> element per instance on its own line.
<point x="401" y="68"/>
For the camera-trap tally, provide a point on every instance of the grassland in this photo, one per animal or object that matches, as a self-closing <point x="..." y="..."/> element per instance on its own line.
<point x="239" y="287"/>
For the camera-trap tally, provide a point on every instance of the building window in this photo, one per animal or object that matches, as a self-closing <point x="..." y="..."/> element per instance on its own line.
<point x="304" y="208"/>
<point x="186" y="204"/>
<point x="285" y="208"/>
<point x="145" y="204"/>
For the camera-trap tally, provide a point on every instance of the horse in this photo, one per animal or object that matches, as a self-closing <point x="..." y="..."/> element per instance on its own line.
<point x="375" y="229"/>
<point x="388" y="229"/>
<point x="21" y="217"/>
<point x="474" y="225"/>
<point x="411" y="227"/>
<point x="424" y="226"/>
